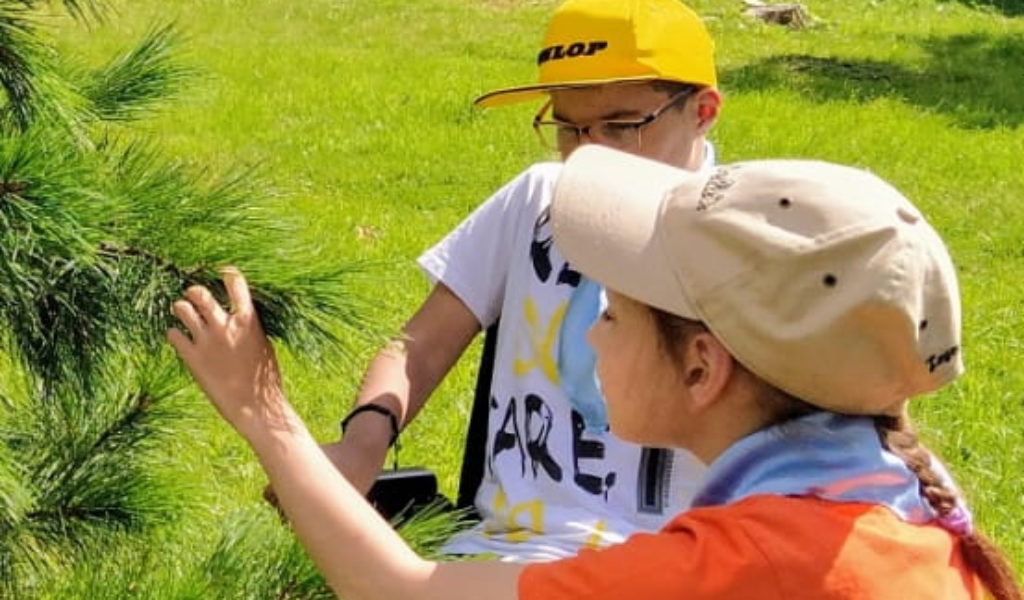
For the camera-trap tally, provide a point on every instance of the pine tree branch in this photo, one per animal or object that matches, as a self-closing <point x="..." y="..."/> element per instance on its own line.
<point x="258" y="558"/>
<point x="34" y="88"/>
<point x="18" y="49"/>
<point x="84" y="10"/>
<point x="116" y="253"/>
<point x="91" y="470"/>
<point x="97" y="237"/>
<point x="130" y="85"/>
<point x="90" y="461"/>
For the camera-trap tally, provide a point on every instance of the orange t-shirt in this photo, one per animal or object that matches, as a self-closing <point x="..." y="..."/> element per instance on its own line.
<point x="763" y="548"/>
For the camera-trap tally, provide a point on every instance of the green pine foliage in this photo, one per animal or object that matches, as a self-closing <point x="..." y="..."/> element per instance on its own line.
<point x="257" y="558"/>
<point x="99" y="232"/>
<point x="76" y="474"/>
<point x="133" y="83"/>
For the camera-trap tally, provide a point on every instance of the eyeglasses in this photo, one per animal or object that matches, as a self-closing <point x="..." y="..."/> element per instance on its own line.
<point x="623" y="134"/>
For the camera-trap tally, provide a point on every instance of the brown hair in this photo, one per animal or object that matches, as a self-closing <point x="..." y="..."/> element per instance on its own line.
<point x="671" y="88"/>
<point x="896" y="434"/>
<point x="675" y="332"/>
<point x="980" y="554"/>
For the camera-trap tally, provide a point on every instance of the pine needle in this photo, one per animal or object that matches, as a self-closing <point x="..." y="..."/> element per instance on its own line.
<point x="131" y="85"/>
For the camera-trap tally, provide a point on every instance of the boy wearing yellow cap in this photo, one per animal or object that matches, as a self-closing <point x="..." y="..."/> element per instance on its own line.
<point x="635" y="75"/>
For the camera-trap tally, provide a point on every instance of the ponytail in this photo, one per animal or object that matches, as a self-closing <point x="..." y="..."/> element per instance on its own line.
<point x="980" y="554"/>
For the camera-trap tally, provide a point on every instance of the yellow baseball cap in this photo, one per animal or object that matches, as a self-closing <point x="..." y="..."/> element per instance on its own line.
<point x="592" y="42"/>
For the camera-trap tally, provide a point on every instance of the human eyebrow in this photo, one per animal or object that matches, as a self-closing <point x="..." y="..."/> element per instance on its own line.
<point x="622" y="115"/>
<point x="557" y="117"/>
<point x="612" y="116"/>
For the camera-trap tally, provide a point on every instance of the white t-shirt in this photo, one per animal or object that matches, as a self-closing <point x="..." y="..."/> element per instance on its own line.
<point x="549" y="486"/>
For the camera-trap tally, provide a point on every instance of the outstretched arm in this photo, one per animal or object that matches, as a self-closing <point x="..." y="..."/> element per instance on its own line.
<point x="358" y="553"/>
<point x="401" y="377"/>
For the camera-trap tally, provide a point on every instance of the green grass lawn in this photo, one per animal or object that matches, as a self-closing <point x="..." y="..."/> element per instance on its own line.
<point x="357" y="113"/>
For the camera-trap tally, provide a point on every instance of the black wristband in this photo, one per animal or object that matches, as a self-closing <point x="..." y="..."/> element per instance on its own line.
<point x="377" y="408"/>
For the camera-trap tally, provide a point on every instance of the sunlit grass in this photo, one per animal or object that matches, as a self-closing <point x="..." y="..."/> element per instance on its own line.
<point x="358" y="113"/>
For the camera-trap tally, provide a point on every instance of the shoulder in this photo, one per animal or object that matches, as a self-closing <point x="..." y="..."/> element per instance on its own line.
<point x="773" y="510"/>
<point x="543" y="171"/>
<point x="528" y="193"/>
<point x="768" y="547"/>
<point x="782" y="522"/>
<point x="821" y="549"/>
<point x="700" y="555"/>
<point x="800" y="516"/>
<point x="536" y="180"/>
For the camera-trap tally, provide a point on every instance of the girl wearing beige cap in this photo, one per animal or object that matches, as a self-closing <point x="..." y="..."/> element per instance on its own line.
<point x="773" y="318"/>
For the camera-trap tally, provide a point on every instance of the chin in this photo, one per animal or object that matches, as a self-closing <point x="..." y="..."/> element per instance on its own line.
<point x="625" y="434"/>
<point x="642" y="436"/>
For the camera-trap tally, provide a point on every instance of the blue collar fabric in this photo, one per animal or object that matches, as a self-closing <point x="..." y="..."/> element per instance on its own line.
<point x="822" y="455"/>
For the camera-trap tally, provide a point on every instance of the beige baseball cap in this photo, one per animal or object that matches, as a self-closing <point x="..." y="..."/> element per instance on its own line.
<point x="821" y="279"/>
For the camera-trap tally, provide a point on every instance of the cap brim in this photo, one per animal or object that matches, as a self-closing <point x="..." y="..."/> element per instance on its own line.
<point x="605" y="215"/>
<point x="504" y="97"/>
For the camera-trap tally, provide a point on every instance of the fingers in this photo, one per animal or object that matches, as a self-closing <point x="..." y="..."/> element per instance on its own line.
<point x="206" y="305"/>
<point x="200" y="311"/>
<point x="182" y="345"/>
<point x="186" y="313"/>
<point x="238" y="292"/>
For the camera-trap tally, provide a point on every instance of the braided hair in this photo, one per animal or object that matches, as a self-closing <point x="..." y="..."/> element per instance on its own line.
<point x="980" y="554"/>
<point x="897" y="435"/>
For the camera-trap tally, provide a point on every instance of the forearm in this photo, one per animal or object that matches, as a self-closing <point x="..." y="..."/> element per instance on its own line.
<point x="357" y="551"/>
<point x="400" y="378"/>
<point x="363" y="449"/>
<point x="359" y="554"/>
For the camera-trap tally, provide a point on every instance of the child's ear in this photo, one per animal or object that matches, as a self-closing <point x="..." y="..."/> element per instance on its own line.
<point x="708" y="367"/>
